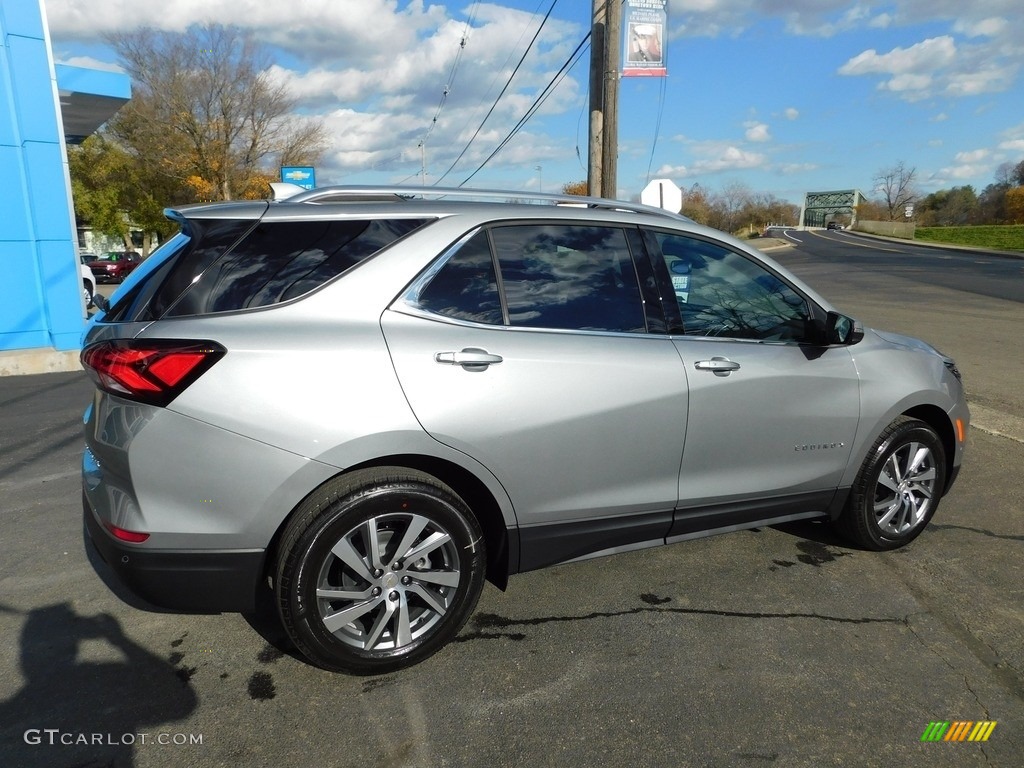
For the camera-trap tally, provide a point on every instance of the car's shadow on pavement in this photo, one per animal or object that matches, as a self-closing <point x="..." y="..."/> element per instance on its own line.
<point x="266" y="621"/>
<point x="818" y="531"/>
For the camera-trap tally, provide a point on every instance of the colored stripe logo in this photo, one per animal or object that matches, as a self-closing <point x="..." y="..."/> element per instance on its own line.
<point x="959" y="730"/>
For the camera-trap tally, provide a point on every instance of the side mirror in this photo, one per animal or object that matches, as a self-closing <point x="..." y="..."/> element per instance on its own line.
<point x="100" y="301"/>
<point x="840" y="329"/>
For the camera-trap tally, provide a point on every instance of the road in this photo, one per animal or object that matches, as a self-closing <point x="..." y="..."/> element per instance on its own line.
<point x="967" y="304"/>
<point x="780" y="646"/>
<point x="983" y="274"/>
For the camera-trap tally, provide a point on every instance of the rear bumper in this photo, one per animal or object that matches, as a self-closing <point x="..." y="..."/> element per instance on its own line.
<point x="199" y="582"/>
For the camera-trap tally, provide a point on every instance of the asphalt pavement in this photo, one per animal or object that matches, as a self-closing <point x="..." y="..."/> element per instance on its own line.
<point x="780" y="646"/>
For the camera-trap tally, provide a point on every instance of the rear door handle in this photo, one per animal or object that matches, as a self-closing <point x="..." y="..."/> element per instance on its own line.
<point x="720" y="366"/>
<point x="470" y="358"/>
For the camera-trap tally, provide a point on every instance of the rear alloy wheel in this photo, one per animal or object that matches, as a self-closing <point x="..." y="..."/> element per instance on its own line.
<point x="898" y="487"/>
<point x="87" y="293"/>
<point x="378" y="570"/>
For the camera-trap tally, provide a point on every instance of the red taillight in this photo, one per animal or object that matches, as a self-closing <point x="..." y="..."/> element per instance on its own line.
<point x="123" y="534"/>
<point x="148" y="370"/>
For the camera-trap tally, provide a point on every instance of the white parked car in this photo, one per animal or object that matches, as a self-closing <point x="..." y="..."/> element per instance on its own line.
<point x="88" y="284"/>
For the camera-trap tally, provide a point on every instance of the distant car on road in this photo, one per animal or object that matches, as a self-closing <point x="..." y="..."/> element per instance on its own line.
<point x="115" y="266"/>
<point x="834" y="225"/>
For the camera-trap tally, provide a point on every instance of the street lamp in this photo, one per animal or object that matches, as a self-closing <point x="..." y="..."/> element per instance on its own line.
<point x="540" y="177"/>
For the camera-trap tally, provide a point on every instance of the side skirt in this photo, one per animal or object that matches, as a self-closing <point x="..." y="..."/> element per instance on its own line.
<point x="544" y="545"/>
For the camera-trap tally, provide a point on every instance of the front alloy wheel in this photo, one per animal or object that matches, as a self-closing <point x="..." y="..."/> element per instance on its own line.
<point x="905" y="488"/>
<point x="378" y="570"/>
<point x="898" y="487"/>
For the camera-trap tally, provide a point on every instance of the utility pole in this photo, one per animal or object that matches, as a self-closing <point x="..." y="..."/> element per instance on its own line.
<point x="602" y="174"/>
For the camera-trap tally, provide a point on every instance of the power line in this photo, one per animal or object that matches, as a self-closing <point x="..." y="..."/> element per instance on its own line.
<point x="573" y="59"/>
<point x="451" y="74"/>
<point x="657" y="124"/>
<point x="498" y="98"/>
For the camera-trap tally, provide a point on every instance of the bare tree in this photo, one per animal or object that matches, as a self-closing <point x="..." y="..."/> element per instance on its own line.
<point x="205" y="109"/>
<point x="729" y="204"/>
<point x="896" y="185"/>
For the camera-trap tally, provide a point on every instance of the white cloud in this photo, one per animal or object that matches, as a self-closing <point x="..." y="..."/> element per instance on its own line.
<point x="88" y="62"/>
<point x="881" y="21"/>
<point x="907" y="81"/>
<point x="990" y="27"/>
<point x="965" y="171"/>
<point x="792" y="113"/>
<point x="936" y="66"/>
<point x="712" y="157"/>
<point x="923" y="57"/>
<point x="974" y="156"/>
<point x="791" y="169"/>
<point x="368" y="28"/>
<point x="756" y="131"/>
<point x="991" y="79"/>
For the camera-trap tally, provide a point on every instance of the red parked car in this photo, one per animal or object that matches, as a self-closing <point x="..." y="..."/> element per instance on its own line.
<point x="115" y="266"/>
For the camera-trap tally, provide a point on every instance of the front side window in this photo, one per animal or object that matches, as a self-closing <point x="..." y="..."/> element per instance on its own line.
<point x="573" y="277"/>
<point x="722" y="293"/>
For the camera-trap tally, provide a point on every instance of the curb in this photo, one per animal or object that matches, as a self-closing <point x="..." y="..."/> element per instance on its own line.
<point x="26" y="362"/>
<point x="944" y="246"/>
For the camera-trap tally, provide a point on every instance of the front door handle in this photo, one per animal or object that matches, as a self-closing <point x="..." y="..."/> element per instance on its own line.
<point x="471" y="358"/>
<point x="720" y="366"/>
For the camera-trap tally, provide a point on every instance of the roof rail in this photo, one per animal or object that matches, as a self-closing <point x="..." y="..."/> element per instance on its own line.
<point x="373" y="193"/>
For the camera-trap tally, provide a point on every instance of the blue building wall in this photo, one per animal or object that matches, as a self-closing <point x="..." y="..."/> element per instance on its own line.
<point x="41" y="304"/>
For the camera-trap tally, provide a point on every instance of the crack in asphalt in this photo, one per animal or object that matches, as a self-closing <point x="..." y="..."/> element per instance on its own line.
<point x="1005" y="674"/>
<point x="981" y="531"/>
<point x="491" y="621"/>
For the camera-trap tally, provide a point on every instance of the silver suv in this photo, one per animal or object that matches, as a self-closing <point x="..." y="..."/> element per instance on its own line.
<point x="370" y="400"/>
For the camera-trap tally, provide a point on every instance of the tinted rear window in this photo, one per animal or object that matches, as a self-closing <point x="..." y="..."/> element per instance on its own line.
<point x="278" y="261"/>
<point x="228" y="265"/>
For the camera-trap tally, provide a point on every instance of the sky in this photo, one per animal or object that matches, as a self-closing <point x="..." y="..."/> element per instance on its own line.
<point x="780" y="96"/>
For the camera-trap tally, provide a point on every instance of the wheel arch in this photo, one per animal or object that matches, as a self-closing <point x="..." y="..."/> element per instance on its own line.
<point x="502" y="543"/>
<point x="938" y="420"/>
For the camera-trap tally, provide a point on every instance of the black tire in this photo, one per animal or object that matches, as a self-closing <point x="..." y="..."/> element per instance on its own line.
<point x="898" y="487"/>
<point x="403" y="606"/>
<point x="87" y="293"/>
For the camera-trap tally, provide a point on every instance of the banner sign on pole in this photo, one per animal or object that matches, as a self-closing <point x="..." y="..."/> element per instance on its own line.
<point x="643" y="27"/>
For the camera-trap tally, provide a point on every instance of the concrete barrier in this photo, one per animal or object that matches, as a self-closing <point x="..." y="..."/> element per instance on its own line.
<point x="899" y="229"/>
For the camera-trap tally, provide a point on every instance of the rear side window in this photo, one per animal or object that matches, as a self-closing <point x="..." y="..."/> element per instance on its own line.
<point x="466" y="287"/>
<point x="570" y="277"/>
<point x="278" y="261"/>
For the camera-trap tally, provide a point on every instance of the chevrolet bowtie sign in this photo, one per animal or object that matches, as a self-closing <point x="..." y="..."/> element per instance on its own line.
<point x="302" y="176"/>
